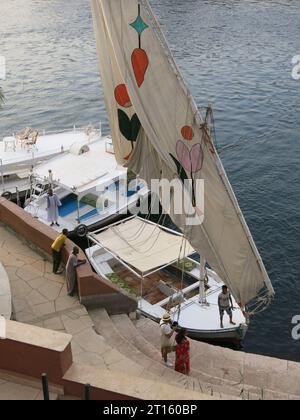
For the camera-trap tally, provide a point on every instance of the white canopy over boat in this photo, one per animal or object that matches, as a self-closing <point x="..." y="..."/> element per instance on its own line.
<point x="143" y="245"/>
<point x="158" y="131"/>
<point x="80" y="170"/>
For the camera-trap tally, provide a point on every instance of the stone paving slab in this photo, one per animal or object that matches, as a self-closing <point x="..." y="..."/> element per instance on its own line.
<point x="13" y="388"/>
<point x="12" y="391"/>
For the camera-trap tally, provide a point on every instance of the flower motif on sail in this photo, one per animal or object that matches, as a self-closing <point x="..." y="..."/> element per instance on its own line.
<point x="129" y="126"/>
<point x="139" y="57"/>
<point x="191" y="160"/>
<point x="187" y="133"/>
<point x="122" y="97"/>
<point x="188" y="161"/>
<point x="139" y="25"/>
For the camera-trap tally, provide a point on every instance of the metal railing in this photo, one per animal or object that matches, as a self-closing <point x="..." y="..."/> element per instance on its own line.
<point x="36" y="157"/>
<point x="46" y="393"/>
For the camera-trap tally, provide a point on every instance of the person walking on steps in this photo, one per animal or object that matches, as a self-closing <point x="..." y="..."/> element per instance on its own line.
<point x="225" y="305"/>
<point x="167" y="332"/>
<point x="57" y="248"/>
<point x="182" y="361"/>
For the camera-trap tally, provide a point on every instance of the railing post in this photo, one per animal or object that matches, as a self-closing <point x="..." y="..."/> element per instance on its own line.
<point x="87" y="392"/>
<point x="45" y="386"/>
<point x="18" y="197"/>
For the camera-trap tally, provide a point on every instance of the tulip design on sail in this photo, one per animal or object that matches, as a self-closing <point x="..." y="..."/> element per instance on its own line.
<point x="188" y="160"/>
<point x="139" y="57"/>
<point x="122" y="96"/>
<point x="129" y="127"/>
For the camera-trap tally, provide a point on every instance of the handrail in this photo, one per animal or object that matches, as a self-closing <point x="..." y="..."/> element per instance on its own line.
<point x="74" y="128"/>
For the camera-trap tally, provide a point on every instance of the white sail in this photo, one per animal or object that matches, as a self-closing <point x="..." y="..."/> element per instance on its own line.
<point x="150" y="108"/>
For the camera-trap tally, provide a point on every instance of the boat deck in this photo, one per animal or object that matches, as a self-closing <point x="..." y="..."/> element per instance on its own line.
<point x="47" y="145"/>
<point x="151" y="285"/>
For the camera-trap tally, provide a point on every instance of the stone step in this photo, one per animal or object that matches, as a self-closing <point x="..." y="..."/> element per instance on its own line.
<point x="110" y="385"/>
<point x="148" y="329"/>
<point x="150" y="343"/>
<point x="120" y="339"/>
<point x="92" y="349"/>
<point x="227" y="368"/>
<point x="129" y="331"/>
<point x="106" y="328"/>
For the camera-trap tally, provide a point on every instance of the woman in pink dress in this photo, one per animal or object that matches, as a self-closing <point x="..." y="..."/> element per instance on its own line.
<point x="182" y="363"/>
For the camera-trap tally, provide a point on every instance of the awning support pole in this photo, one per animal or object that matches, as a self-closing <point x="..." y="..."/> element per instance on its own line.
<point x="78" y="209"/>
<point x="202" y="294"/>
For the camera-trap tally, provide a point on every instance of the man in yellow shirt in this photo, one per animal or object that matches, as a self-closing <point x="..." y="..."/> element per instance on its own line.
<point x="57" y="247"/>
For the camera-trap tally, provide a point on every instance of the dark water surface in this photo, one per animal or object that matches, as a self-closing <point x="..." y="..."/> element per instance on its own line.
<point x="236" y="55"/>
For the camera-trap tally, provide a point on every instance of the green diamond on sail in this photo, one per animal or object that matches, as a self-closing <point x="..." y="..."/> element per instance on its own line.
<point x="139" y="25"/>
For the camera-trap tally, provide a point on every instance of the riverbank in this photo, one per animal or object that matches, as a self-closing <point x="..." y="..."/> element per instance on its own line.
<point x="116" y="353"/>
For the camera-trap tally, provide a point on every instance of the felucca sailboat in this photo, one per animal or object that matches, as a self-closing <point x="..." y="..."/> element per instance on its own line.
<point x="158" y="133"/>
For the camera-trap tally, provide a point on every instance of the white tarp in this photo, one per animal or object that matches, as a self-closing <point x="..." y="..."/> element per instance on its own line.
<point x="132" y="53"/>
<point x="81" y="172"/>
<point x="143" y="245"/>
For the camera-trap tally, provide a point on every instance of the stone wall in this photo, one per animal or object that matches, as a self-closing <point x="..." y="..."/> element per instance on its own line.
<point x="31" y="351"/>
<point x="93" y="290"/>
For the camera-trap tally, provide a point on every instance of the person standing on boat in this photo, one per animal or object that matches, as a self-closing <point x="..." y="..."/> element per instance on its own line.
<point x="182" y="362"/>
<point x="166" y="333"/>
<point x="72" y="264"/>
<point x="225" y="305"/>
<point x="53" y="203"/>
<point x="57" y="247"/>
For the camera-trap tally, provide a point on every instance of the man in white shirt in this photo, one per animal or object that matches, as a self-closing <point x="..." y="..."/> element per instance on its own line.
<point x="166" y="333"/>
<point x="225" y="305"/>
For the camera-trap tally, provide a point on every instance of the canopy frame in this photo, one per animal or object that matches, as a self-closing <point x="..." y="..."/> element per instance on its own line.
<point x="136" y="272"/>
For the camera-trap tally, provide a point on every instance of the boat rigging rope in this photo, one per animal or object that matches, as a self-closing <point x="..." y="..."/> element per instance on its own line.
<point x="156" y="228"/>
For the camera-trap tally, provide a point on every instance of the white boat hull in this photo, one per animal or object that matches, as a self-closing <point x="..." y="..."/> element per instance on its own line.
<point x="202" y="321"/>
<point x="92" y="189"/>
<point x="229" y="335"/>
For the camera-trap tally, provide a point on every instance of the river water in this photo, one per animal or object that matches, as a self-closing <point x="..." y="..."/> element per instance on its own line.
<point x="235" y="55"/>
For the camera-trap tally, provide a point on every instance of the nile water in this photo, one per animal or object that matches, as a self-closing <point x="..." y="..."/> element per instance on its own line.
<point x="235" y="55"/>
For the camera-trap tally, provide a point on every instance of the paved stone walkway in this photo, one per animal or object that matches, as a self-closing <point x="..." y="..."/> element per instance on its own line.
<point x="40" y="298"/>
<point x="11" y="390"/>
